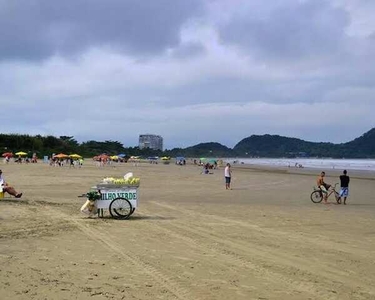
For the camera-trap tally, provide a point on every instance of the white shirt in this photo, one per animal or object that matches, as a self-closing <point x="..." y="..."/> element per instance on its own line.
<point x="227" y="171"/>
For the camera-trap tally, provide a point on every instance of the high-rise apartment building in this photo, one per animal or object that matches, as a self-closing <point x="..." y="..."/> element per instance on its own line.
<point x="151" y="141"/>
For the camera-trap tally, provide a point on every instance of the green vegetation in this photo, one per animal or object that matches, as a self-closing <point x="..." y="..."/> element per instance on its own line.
<point x="278" y="146"/>
<point x="46" y="145"/>
<point x="253" y="146"/>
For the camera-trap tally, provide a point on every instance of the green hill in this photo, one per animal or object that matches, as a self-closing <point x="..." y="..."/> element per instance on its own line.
<point x="207" y="149"/>
<point x="279" y="146"/>
<point x="255" y="145"/>
<point x="361" y="147"/>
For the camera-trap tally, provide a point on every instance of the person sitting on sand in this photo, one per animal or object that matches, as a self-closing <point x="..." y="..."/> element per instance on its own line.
<point x="7" y="188"/>
<point x="324" y="187"/>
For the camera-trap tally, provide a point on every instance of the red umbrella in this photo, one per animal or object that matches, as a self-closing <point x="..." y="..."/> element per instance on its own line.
<point x="103" y="156"/>
<point x="7" y="154"/>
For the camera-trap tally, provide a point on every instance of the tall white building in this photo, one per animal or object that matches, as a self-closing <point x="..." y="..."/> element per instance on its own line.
<point x="151" y="141"/>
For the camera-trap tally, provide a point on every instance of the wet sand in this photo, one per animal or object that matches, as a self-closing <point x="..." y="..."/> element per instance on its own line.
<point x="189" y="239"/>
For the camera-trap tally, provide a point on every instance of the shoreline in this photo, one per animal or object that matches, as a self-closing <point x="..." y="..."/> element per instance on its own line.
<point x="328" y="164"/>
<point x="359" y="174"/>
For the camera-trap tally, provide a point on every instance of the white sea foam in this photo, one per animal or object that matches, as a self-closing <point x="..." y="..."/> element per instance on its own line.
<point x="324" y="164"/>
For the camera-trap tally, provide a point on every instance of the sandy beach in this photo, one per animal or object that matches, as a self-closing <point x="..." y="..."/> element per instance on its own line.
<point x="189" y="239"/>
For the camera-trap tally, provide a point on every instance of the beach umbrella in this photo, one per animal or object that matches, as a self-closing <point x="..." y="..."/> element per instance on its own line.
<point x="77" y="156"/>
<point x="165" y="158"/>
<point x="122" y="155"/>
<point x="7" y="154"/>
<point x="21" y="153"/>
<point x="103" y="156"/>
<point x="114" y="157"/>
<point x="61" y="155"/>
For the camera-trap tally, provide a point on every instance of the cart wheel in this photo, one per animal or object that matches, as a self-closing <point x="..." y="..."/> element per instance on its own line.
<point x="120" y="208"/>
<point x="132" y="210"/>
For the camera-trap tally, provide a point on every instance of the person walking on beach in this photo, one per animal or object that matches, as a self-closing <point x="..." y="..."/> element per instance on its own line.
<point x="344" y="182"/>
<point x="228" y="176"/>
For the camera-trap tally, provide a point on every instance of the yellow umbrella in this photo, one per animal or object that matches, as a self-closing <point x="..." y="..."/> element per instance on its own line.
<point x="114" y="157"/>
<point x="165" y="158"/>
<point x="75" y="156"/>
<point x="21" y="153"/>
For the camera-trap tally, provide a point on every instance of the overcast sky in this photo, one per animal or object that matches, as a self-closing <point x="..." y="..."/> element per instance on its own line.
<point x="190" y="70"/>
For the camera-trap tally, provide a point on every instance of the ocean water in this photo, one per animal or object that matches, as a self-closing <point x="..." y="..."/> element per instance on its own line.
<point x="316" y="163"/>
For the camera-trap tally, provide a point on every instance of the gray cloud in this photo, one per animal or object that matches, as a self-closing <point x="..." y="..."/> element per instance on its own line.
<point x="42" y="28"/>
<point x="298" y="29"/>
<point x="192" y="74"/>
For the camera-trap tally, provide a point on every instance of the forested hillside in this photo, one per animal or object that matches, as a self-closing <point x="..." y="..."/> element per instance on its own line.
<point x="253" y="146"/>
<point x="279" y="146"/>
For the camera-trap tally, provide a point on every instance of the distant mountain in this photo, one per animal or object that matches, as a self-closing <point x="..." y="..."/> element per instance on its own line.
<point x="255" y="145"/>
<point x="208" y="150"/>
<point x="270" y="145"/>
<point x="364" y="146"/>
<point x="279" y="146"/>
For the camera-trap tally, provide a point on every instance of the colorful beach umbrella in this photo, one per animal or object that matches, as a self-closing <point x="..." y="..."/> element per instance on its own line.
<point x="61" y="155"/>
<point x="21" y="153"/>
<point x="101" y="156"/>
<point x="7" y="154"/>
<point x="77" y="156"/>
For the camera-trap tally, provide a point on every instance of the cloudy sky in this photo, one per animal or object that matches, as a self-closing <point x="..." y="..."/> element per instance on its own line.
<point x="190" y="70"/>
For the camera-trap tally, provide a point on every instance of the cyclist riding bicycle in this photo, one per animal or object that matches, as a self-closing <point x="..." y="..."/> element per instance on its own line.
<point x="324" y="187"/>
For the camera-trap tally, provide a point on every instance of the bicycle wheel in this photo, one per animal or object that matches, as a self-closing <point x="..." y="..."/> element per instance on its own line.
<point x="316" y="196"/>
<point x="120" y="208"/>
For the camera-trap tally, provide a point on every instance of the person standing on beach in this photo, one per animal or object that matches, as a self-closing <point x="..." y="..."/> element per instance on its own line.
<point x="228" y="176"/>
<point x="344" y="181"/>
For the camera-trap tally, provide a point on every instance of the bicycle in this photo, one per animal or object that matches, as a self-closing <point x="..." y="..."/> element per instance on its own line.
<point x="317" y="195"/>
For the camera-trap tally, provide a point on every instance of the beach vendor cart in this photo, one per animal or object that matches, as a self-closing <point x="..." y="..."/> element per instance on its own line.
<point x="118" y="195"/>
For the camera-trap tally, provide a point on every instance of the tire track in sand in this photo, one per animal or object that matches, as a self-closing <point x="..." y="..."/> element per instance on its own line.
<point x="282" y="262"/>
<point x="313" y="240"/>
<point x="202" y="242"/>
<point x="98" y="235"/>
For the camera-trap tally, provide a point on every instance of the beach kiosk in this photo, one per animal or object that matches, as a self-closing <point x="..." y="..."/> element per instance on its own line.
<point x="118" y="195"/>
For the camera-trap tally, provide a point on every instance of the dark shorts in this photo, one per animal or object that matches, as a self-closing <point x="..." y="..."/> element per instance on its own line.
<point x="227" y="179"/>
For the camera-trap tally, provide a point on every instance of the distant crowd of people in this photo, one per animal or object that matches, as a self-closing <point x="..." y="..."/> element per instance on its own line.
<point x="20" y="159"/>
<point x="324" y="187"/>
<point x="72" y="163"/>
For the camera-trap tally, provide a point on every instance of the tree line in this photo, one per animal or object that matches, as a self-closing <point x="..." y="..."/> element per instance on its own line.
<point x="253" y="146"/>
